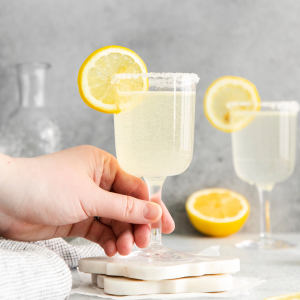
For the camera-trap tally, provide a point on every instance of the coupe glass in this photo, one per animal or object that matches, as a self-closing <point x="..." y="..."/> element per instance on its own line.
<point x="264" y="153"/>
<point x="155" y="139"/>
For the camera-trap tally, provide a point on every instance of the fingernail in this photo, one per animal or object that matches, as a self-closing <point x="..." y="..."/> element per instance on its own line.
<point x="151" y="211"/>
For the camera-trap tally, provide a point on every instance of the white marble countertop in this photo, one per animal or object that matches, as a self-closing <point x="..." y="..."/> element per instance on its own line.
<point x="280" y="268"/>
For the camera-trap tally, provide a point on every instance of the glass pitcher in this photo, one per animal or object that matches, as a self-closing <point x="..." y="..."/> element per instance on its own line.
<point x="29" y="130"/>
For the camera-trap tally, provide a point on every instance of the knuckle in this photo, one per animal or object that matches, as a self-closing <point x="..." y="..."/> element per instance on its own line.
<point x="129" y="206"/>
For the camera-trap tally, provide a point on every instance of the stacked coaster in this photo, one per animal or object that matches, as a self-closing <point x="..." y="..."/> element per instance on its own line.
<point x="120" y="276"/>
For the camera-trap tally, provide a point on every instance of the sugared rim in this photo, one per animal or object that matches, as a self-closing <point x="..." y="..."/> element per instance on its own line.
<point x="193" y="76"/>
<point x="272" y="105"/>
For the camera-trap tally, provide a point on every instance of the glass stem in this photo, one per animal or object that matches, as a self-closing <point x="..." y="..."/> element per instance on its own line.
<point x="264" y="199"/>
<point x="154" y="187"/>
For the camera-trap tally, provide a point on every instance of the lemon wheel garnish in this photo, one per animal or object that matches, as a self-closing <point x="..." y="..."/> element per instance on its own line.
<point x="97" y="85"/>
<point x="217" y="212"/>
<point x="223" y="91"/>
<point x="293" y="296"/>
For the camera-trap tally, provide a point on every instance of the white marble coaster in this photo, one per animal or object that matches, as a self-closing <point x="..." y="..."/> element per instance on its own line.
<point x="203" y="284"/>
<point x="143" y="270"/>
<point x="94" y="280"/>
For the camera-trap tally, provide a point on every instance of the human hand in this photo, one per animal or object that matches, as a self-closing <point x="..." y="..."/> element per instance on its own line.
<point x="58" y="195"/>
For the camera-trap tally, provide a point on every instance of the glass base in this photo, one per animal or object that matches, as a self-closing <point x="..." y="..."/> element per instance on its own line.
<point x="264" y="244"/>
<point x="156" y="252"/>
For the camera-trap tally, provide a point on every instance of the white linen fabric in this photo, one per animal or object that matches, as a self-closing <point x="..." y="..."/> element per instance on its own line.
<point x="40" y="270"/>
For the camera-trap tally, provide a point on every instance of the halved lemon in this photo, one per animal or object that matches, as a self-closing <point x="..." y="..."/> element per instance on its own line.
<point x="97" y="84"/>
<point x="217" y="212"/>
<point x="293" y="296"/>
<point x="225" y="90"/>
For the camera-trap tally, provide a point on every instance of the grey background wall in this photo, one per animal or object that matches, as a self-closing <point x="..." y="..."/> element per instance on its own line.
<point x="255" y="39"/>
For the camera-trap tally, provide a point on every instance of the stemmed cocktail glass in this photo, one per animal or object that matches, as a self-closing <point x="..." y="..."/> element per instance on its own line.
<point x="155" y="138"/>
<point x="264" y="153"/>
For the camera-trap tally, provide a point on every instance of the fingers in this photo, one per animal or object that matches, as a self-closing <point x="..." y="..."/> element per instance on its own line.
<point x="115" y="236"/>
<point x="124" y="208"/>
<point x="117" y="180"/>
<point x="119" y="207"/>
<point x="168" y="224"/>
<point x="142" y="232"/>
<point x="130" y="185"/>
<point x="123" y="232"/>
<point x="96" y="232"/>
<point x="142" y="235"/>
<point x="128" y="234"/>
<point x="103" y="236"/>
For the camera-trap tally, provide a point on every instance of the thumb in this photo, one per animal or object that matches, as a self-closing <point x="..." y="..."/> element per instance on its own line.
<point x="123" y="208"/>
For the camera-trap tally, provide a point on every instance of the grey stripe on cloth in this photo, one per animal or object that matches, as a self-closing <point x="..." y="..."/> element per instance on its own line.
<point x="39" y="270"/>
<point x="71" y="254"/>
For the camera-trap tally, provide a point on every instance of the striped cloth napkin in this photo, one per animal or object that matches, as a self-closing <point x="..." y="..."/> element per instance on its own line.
<point x="40" y="270"/>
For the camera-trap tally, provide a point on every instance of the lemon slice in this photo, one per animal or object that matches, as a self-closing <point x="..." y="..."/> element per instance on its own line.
<point x="223" y="91"/>
<point x="217" y="212"/>
<point x="97" y="84"/>
<point x="293" y="296"/>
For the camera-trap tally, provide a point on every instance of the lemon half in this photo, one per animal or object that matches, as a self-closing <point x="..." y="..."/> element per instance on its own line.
<point x="97" y="85"/>
<point x="217" y="212"/>
<point x="223" y="91"/>
<point x="293" y="296"/>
